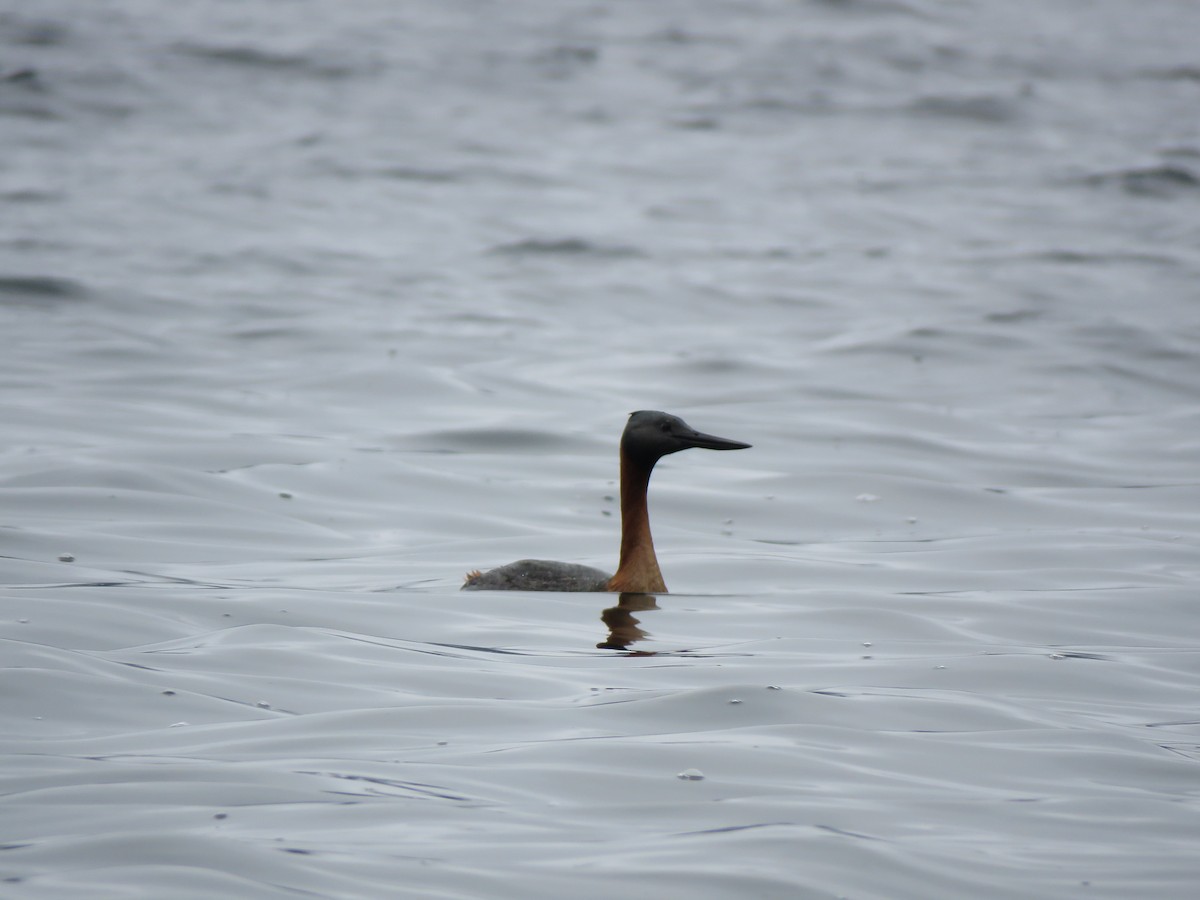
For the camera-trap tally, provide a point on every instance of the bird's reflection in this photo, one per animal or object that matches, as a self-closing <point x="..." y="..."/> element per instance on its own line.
<point x="623" y="628"/>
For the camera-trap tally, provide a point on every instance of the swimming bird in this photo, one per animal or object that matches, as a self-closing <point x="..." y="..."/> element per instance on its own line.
<point x="648" y="437"/>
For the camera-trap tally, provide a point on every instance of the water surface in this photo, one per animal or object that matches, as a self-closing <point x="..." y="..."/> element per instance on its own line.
<point x="308" y="311"/>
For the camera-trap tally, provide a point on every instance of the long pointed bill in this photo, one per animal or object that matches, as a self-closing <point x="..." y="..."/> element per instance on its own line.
<point x="711" y="442"/>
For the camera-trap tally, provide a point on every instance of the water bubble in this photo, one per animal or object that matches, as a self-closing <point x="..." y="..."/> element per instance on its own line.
<point x="690" y="775"/>
<point x="867" y="498"/>
<point x="66" y="557"/>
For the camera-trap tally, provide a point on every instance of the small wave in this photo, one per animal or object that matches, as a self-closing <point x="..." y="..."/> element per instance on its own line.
<point x="679" y="34"/>
<point x="979" y="108"/>
<point x="37" y="290"/>
<point x="874" y="7"/>
<point x="30" y="195"/>
<point x="22" y="92"/>
<point x="1174" y="73"/>
<point x="35" y="32"/>
<point x="484" y="440"/>
<point x="26" y="77"/>
<point x="1073" y="257"/>
<point x="1148" y="181"/>
<point x="263" y="59"/>
<point x="1014" y="315"/>
<point x="395" y="172"/>
<point x="566" y="60"/>
<point x="565" y="247"/>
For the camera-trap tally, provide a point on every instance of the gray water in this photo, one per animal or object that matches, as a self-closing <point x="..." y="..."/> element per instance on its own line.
<point x="310" y="308"/>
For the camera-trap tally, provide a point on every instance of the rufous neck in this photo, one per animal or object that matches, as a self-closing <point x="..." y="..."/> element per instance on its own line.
<point x="638" y="571"/>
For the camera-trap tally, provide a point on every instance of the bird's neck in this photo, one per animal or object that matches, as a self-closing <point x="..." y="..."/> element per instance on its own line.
<point x="638" y="571"/>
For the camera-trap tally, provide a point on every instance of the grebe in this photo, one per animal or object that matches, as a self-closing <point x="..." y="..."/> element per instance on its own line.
<point x="648" y="437"/>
